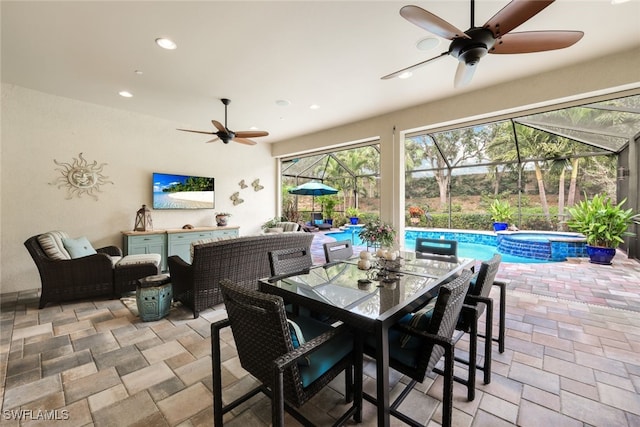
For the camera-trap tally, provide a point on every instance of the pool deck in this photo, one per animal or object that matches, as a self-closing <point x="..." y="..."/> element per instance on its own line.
<point x="616" y="285"/>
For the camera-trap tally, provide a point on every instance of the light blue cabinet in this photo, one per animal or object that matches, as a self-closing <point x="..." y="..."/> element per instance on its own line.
<point x="171" y="242"/>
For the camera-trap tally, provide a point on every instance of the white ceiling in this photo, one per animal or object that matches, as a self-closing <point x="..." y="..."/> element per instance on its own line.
<point x="330" y="53"/>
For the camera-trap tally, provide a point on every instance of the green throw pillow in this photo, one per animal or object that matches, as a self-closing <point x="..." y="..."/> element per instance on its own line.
<point x="79" y="247"/>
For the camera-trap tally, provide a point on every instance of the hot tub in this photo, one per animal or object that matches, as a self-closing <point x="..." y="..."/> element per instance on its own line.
<point x="542" y="245"/>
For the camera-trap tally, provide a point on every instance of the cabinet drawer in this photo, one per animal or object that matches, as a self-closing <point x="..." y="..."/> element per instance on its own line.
<point x="190" y="236"/>
<point x="146" y="239"/>
<point x="225" y="233"/>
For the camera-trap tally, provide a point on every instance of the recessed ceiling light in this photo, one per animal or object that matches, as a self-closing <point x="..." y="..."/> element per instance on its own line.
<point x="314" y="106"/>
<point x="618" y="1"/>
<point x="427" y="43"/>
<point x="125" y="94"/>
<point x="405" y="75"/>
<point x="253" y="128"/>
<point x="283" y="103"/>
<point x="166" y="43"/>
<point x="138" y="72"/>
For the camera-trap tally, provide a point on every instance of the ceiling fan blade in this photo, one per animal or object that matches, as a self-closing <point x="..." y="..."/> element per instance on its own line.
<point x="514" y="14"/>
<point x="251" y="134"/>
<point x="212" y="140"/>
<point x="419" y="64"/>
<point x="430" y="22"/>
<point x="464" y="74"/>
<point x="197" y="131"/>
<point x="219" y="126"/>
<point x="244" y="141"/>
<point x="535" y="41"/>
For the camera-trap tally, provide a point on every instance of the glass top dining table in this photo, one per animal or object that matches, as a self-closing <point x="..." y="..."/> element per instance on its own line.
<point x="370" y="301"/>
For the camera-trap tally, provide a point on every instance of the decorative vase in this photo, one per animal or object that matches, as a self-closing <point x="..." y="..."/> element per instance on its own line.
<point x="600" y="255"/>
<point x="221" y="220"/>
<point x="354" y="220"/>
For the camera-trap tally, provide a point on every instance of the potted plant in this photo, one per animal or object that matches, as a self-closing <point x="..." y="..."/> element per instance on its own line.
<point x="352" y="214"/>
<point x="501" y="214"/>
<point x="222" y="218"/>
<point x="378" y="234"/>
<point x="603" y="224"/>
<point x="415" y="212"/>
<point x="328" y="204"/>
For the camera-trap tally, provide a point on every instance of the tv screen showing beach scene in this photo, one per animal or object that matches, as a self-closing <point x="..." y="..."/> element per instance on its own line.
<point x="182" y="192"/>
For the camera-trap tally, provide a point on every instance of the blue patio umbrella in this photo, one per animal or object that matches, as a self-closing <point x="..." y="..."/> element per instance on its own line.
<point x="313" y="189"/>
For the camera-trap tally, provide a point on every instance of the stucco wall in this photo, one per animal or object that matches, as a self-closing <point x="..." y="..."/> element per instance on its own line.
<point x="37" y="128"/>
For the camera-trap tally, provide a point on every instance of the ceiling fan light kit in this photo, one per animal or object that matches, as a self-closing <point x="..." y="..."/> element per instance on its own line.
<point x="494" y="37"/>
<point x="225" y="134"/>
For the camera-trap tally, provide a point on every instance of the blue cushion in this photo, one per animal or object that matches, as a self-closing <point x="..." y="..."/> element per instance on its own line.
<point x="79" y="247"/>
<point x="321" y="360"/>
<point x="297" y="337"/>
<point x="318" y="222"/>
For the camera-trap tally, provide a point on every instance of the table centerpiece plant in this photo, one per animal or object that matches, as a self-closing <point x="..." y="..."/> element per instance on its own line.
<point x="378" y="234"/>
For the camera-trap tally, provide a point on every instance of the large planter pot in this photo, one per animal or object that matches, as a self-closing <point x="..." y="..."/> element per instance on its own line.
<point x="500" y="226"/>
<point x="354" y="220"/>
<point x="600" y="255"/>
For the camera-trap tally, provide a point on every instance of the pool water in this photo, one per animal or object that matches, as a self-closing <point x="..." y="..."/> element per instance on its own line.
<point x="465" y="249"/>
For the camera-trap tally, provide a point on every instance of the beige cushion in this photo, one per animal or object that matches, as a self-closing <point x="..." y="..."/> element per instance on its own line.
<point x="140" y="259"/>
<point x="288" y="226"/>
<point x="51" y="244"/>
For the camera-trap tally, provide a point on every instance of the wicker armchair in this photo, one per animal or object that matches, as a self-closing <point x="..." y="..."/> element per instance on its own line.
<point x="86" y="277"/>
<point x="283" y="262"/>
<point x="431" y="342"/>
<point x="243" y="260"/>
<point x="289" y="374"/>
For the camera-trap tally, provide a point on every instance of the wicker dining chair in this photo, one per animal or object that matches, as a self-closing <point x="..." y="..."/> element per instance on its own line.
<point x="420" y="339"/>
<point x="476" y="300"/>
<point x="438" y="249"/>
<point x="289" y="261"/>
<point x="289" y="374"/>
<point x="337" y="251"/>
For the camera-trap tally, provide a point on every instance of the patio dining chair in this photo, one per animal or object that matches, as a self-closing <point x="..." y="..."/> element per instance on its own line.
<point x="337" y="251"/>
<point x="292" y="361"/>
<point x="289" y="261"/>
<point x="438" y="249"/>
<point x="476" y="300"/>
<point x="420" y="339"/>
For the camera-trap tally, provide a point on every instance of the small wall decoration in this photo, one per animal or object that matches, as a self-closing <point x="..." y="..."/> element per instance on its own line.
<point x="81" y="177"/>
<point x="242" y="185"/>
<point x="235" y="197"/>
<point x="256" y="185"/>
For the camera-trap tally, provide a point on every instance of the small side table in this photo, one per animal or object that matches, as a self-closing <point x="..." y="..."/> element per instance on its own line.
<point x="153" y="297"/>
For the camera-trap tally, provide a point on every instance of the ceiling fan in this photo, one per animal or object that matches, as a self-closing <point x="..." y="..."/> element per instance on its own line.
<point x="493" y="37"/>
<point x="225" y="134"/>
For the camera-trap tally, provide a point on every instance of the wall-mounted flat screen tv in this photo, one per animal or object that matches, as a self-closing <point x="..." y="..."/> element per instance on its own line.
<point x="182" y="191"/>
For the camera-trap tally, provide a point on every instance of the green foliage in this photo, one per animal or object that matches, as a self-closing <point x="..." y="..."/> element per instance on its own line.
<point x="340" y="220"/>
<point x="601" y="221"/>
<point x="501" y="211"/>
<point x="352" y="212"/>
<point x="329" y="202"/>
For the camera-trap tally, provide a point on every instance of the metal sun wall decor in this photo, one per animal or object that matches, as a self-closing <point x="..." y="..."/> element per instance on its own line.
<point x="81" y="177"/>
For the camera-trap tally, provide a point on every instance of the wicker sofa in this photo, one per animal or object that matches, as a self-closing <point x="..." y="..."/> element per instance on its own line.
<point x="242" y="260"/>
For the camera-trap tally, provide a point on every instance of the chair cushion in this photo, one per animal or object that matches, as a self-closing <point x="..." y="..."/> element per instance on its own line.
<point x="79" y="247"/>
<point x="321" y="360"/>
<point x="297" y="337"/>
<point x="51" y="244"/>
<point x="208" y="240"/>
<point x="140" y="259"/>
<point x="419" y="320"/>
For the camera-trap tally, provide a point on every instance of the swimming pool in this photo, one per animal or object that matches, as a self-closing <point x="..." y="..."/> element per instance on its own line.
<point x="517" y="247"/>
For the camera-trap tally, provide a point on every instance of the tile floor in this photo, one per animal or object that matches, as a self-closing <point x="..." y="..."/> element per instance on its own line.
<point x="572" y="359"/>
